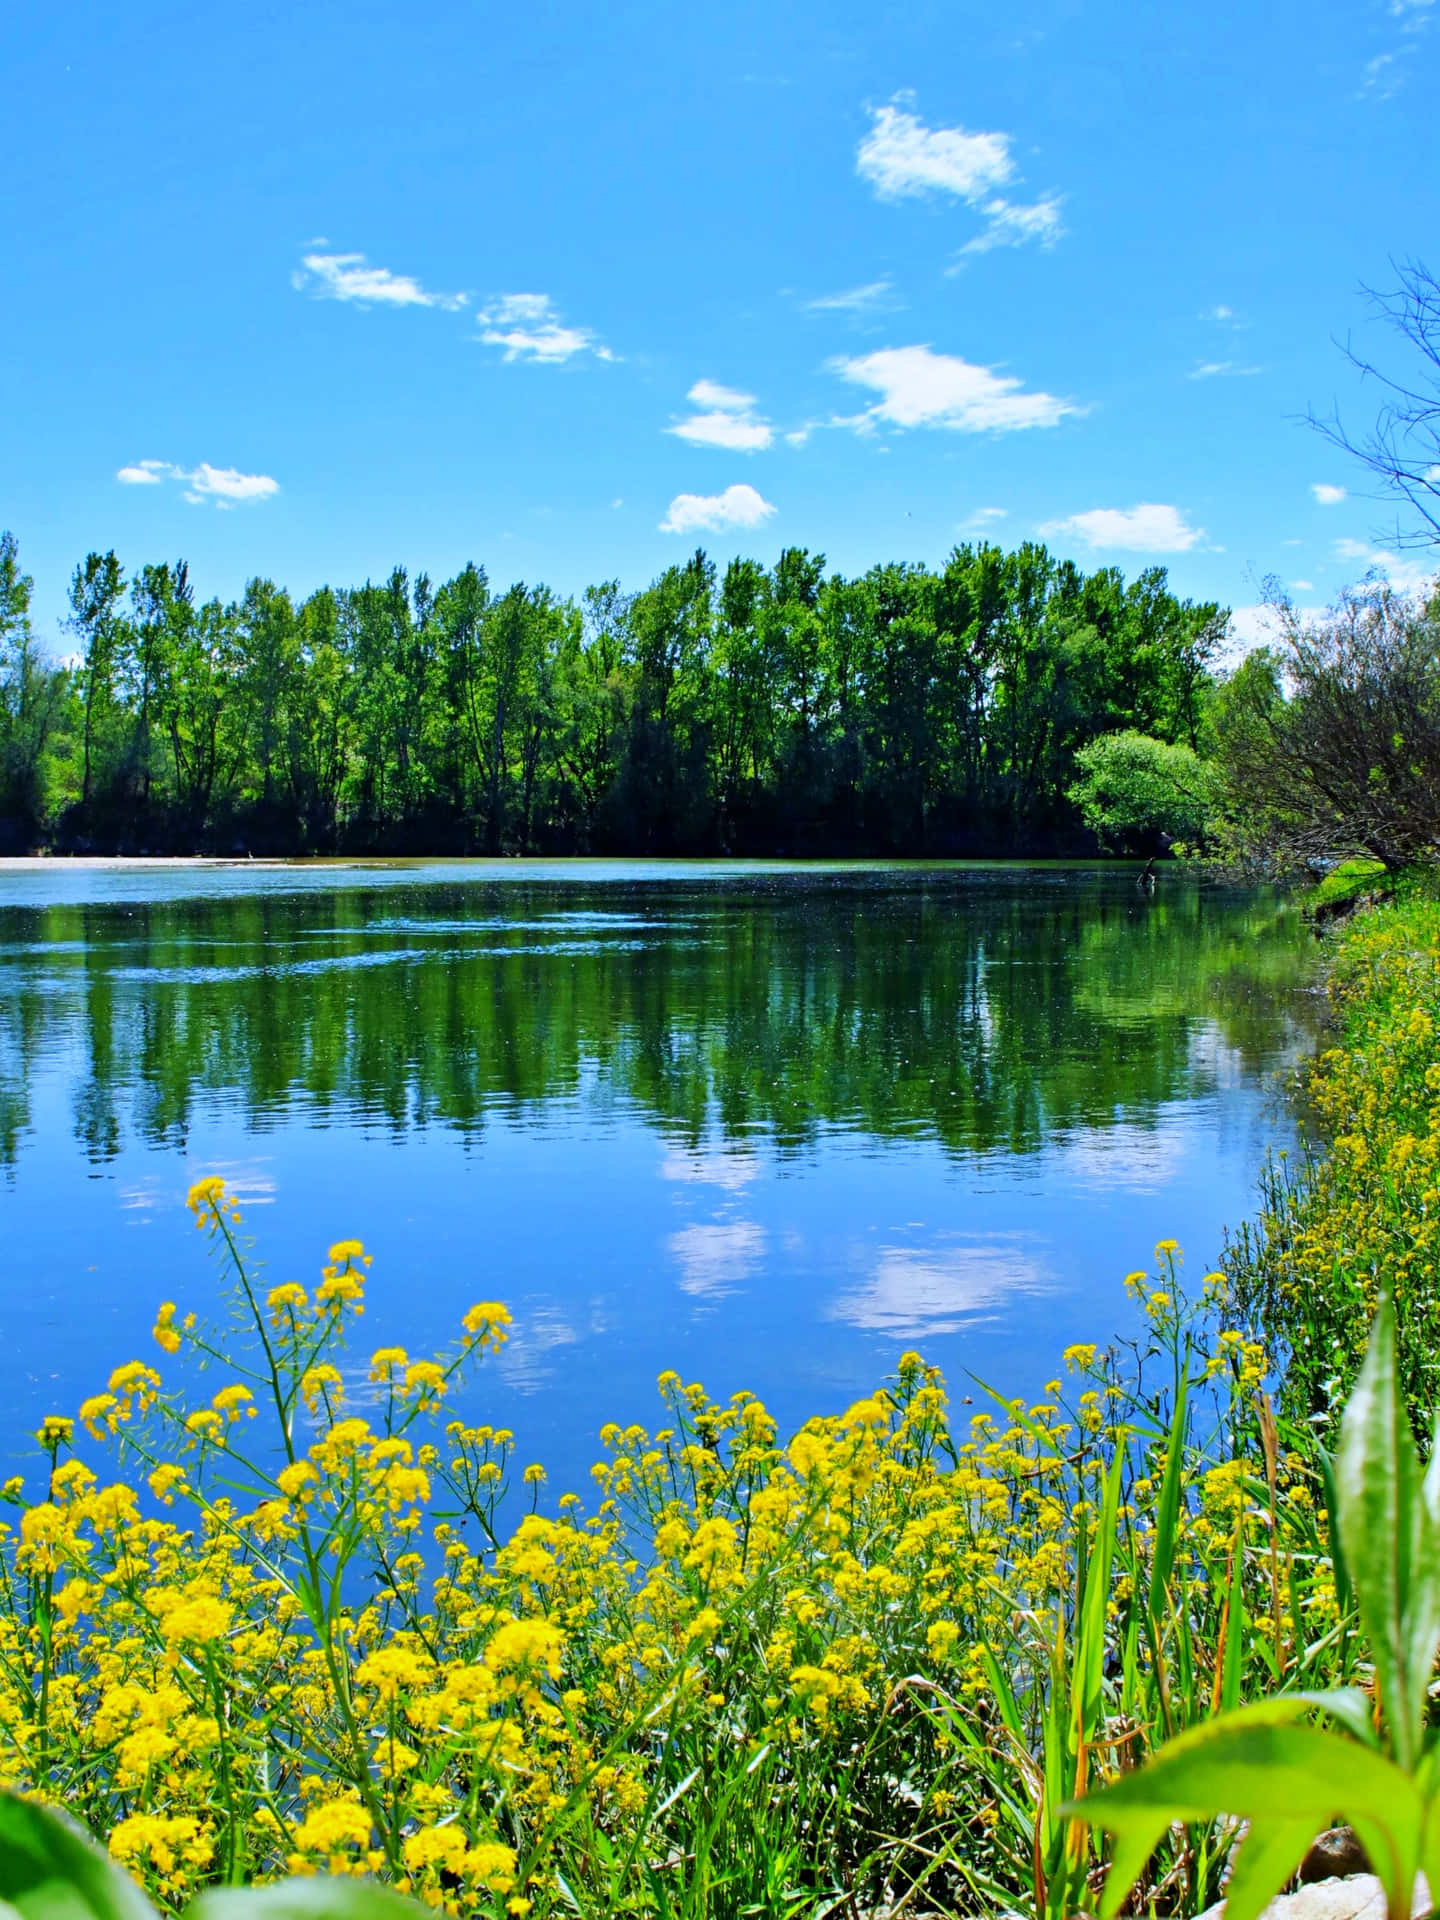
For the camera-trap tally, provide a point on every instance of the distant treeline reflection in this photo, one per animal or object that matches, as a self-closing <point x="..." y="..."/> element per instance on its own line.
<point x="984" y="1016"/>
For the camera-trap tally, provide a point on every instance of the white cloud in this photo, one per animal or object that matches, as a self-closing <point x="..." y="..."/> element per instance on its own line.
<point x="1302" y="586"/>
<point x="1219" y="369"/>
<point x="528" y="327"/>
<point x="915" y="1292"/>
<point x="1147" y="528"/>
<point x="738" y="506"/>
<point x="710" y="393"/>
<point x="1012" y="226"/>
<point x="1380" y="77"/>
<point x="1222" y="313"/>
<point x="226" y="486"/>
<point x="1407" y="576"/>
<point x="903" y="159"/>
<point x="919" y="387"/>
<point x="728" y="419"/>
<point x="876" y="293"/>
<point x="981" y="518"/>
<point x="1327" y="495"/>
<point x="715" y="1259"/>
<point x="349" y="276"/>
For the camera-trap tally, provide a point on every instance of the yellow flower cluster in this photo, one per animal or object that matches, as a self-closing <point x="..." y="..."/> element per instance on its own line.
<point x="316" y="1648"/>
<point x="1363" y="1219"/>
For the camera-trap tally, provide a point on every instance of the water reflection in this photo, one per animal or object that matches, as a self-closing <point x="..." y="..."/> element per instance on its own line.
<point x="766" y="1128"/>
<point x="983" y="1012"/>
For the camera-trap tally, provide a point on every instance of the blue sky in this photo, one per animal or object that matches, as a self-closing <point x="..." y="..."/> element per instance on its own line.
<point x="307" y="290"/>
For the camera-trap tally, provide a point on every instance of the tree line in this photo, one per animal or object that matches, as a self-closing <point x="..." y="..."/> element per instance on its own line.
<point x="760" y="710"/>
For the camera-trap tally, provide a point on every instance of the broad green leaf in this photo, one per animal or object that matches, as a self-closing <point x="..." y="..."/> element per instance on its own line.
<point x="313" y="1897"/>
<point x="50" y="1869"/>
<point x="1351" y="1706"/>
<point x="1390" y="1532"/>
<point x="1257" y="1765"/>
<point x="1332" y="1516"/>
<point x="1132" y="1849"/>
<point x="1268" y="1855"/>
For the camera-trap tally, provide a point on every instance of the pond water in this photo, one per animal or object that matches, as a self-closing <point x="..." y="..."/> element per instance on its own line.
<point x="768" y="1126"/>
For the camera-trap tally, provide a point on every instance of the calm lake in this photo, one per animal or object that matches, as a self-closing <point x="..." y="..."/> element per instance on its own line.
<point x="769" y="1126"/>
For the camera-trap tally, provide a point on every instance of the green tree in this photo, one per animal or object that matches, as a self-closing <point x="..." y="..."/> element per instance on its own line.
<point x="1135" y="792"/>
<point x="32" y="698"/>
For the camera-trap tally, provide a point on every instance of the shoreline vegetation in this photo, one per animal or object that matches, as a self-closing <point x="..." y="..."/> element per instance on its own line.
<point x="260" y="1612"/>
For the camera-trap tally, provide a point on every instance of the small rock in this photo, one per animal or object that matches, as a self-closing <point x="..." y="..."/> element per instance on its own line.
<point x="1359" y="1896"/>
<point x="1334" y="1854"/>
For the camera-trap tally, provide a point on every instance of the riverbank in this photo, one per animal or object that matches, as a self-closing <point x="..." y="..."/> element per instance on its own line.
<point x="865" y="1664"/>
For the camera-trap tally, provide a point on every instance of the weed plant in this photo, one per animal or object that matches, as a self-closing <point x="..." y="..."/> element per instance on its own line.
<point x="1359" y="1216"/>
<point x="863" y="1668"/>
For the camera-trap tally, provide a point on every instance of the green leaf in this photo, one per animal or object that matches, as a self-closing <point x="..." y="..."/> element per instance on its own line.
<point x="1089" y="1662"/>
<point x="1167" y="1513"/>
<point x="1390" y="1532"/>
<point x="1232" y="1670"/>
<point x="1351" y="1706"/>
<point x="50" y="1869"/>
<point x="313" y="1897"/>
<point x="1268" y="1856"/>
<point x="1332" y="1516"/>
<point x="1257" y="1765"/>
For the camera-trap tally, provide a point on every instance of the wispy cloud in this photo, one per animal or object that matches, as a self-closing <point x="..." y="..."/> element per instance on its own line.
<point x="737" y="506"/>
<point x="1328" y="495"/>
<point x="1221" y="370"/>
<point x="981" y="519"/>
<point x="874" y="296"/>
<point x="349" y="276"/>
<point x="1147" y="528"/>
<point x="904" y="159"/>
<point x="1408" y="575"/>
<point x="921" y="388"/>
<point x="726" y="419"/>
<point x="223" y="487"/>
<point x="1009" y="225"/>
<point x="527" y="326"/>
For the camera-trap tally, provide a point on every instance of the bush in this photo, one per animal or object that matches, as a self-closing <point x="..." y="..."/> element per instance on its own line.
<point x="1136" y="793"/>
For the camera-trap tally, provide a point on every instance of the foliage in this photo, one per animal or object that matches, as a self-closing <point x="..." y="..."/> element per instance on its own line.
<point x="1380" y="1770"/>
<point x="31" y="699"/>
<point x="1346" y="884"/>
<point x="1360" y="1220"/>
<point x="869" y="1665"/>
<point x="1330" y="746"/>
<point x="1138" y="793"/>
<point x="784" y="709"/>
<point x="49" y="1865"/>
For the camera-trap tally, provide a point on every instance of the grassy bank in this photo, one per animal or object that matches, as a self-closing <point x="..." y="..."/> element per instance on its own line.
<point x="258" y="1614"/>
<point x="1360" y="1216"/>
